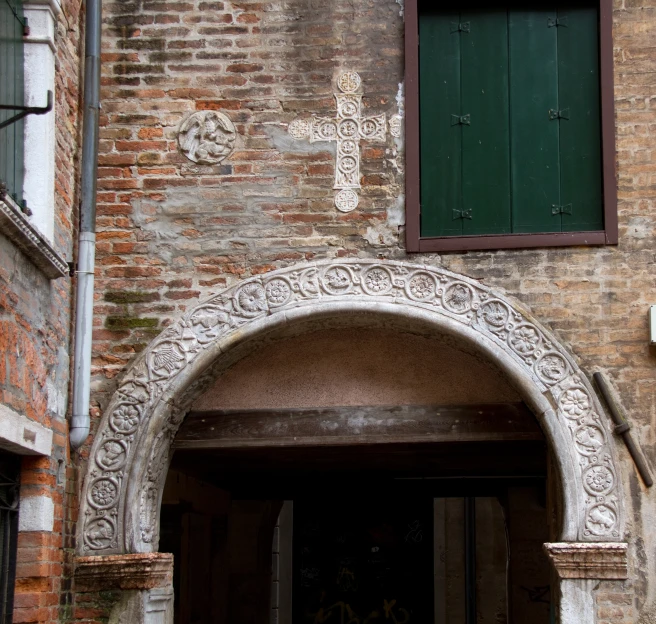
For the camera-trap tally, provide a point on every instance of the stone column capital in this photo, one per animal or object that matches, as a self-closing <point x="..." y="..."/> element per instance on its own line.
<point x="585" y="560"/>
<point x="134" y="571"/>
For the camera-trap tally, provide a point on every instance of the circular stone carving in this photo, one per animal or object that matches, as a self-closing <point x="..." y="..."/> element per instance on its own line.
<point x="551" y="368"/>
<point x="252" y="298"/>
<point x="99" y="533"/>
<point x="337" y="280"/>
<point x="348" y="147"/>
<point x="601" y="520"/>
<point x="278" y="292"/>
<point x="377" y="281"/>
<point x="369" y="128"/>
<point x="112" y="455"/>
<point x="574" y="403"/>
<point x="524" y="339"/>
<point x="207" y="137"/>
<point x="349" y="108"/>
<point x="458" y="298"/>
<point x="300" y="128"/>
<point x="327" y="129"/>
<point x="349" y="82"/>
<point x="598" y="480"/>
<point x="348" y="164"/>
<point x="495" y="314"/>
<point x="346" y="200"/>
<point x="103" y="493"/>
<point x="125" y="419"/>
<point x="348" y="128"/>
<point x="589" y="439"/>
<point x="421" y="286"/>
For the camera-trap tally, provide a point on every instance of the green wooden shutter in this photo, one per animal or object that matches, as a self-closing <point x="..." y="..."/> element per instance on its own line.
<point x="510" y="121"/>
<point x="12" y="25"/>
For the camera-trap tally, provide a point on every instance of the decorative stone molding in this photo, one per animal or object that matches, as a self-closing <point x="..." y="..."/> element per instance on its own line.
<point x="589" y="561"/>
<point x="15" y="226"/>
<point x="347" y="129"/>
<point x="21" y="435"/>
<point x="131" y="451"/>
<point x="207" y="137"/>
<point x="140" y="571"/>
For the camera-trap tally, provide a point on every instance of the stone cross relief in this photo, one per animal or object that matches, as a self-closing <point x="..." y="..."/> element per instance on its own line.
<point x="347" y="130"/>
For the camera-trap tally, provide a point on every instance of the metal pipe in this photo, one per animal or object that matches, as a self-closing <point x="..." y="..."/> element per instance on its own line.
<point x="79" y="426"/>
<point x="623" y="428"/>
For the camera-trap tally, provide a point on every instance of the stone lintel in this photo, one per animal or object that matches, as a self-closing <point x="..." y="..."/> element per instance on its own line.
<point x="134" y="571"/>
<point x="602" y="560"/>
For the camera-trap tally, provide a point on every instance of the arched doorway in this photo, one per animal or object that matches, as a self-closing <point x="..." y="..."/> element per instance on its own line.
<point x="131" y="452"/>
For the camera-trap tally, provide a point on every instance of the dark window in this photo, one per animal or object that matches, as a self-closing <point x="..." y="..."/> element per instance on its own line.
<point x="508" y="138"/>
<point x="9" y="490"/>
<point x="12" y="29"/>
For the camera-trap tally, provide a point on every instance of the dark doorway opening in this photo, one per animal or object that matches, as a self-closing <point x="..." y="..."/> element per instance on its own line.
<point x="361" y="534"/>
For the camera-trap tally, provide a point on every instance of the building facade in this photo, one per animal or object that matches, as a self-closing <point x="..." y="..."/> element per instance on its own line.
<point x="40" y="69"/>
<point x="260" y="250"/>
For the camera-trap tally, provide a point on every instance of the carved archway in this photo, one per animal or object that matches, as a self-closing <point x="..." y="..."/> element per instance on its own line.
<point x="130" y="455"/>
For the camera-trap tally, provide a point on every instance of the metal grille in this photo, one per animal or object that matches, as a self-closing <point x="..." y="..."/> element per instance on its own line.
<point x="12" y="29"/>
<point x="9" y="490"/>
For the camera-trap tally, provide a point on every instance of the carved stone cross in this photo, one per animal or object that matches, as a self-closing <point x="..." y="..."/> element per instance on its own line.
<point x="347" y="129"/>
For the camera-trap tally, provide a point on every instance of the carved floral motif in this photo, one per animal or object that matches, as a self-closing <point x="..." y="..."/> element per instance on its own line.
<point x="478" y="309"/>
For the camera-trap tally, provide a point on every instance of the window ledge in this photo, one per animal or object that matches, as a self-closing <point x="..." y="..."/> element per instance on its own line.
<point x="15" y="226"/>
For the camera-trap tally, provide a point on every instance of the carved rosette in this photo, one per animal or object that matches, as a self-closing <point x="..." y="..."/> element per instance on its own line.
<point x="429" y="290"/>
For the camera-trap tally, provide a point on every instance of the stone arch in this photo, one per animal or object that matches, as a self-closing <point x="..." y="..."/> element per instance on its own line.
<point x="130" y="454"/>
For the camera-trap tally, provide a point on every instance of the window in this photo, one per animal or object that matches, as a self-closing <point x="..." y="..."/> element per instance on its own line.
<point x="510" y="125"/>
<point x="12" y="30"/>
<point x="9" y="489"/>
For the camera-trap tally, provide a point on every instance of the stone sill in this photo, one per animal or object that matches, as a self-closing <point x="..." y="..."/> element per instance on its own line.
<point x="133" y="571"/>
<point x="15" y="226"/>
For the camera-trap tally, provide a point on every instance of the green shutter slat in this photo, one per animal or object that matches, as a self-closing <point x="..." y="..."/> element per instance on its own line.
<point x="534" y="137"/>
<point x="439" y="79"/>
<point x="580" y="142"/>
<point x="485" y="142"/>
<point x="11" y="92"/>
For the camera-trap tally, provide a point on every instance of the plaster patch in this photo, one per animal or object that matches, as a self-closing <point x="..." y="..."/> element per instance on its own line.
<point x="284" y="142"/>
<point x="396" y="212"/>
<point x="381" y="236"/>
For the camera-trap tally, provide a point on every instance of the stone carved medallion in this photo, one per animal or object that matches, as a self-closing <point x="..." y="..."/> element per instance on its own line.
<point x="207" y="137"/>
<point x="347" y="130"/>
<point x="145" y="399"/>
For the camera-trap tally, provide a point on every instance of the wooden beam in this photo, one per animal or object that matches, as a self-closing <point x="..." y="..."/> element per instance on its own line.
<point x="357" y="425"/>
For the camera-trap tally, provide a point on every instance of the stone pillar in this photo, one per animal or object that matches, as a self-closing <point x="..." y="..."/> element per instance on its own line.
<point x="580" y="567"/>
<point x="144" y="580"/>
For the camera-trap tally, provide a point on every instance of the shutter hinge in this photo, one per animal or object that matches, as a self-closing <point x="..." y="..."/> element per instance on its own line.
<point x="464" y="120"/>
<point x="558" y="114"/>
<point x="462" y="27"/>
<point x="559" y="21"/>
<point x="462" y="214"/>
<point x="25" y="111"/>
<point x="556" y="209"/>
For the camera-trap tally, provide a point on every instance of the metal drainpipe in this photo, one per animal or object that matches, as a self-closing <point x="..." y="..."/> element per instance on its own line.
<point x="79" y="427"/>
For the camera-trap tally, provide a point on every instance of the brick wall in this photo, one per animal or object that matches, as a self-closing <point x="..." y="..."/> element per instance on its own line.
<point x="34" y="349"/>
<point x="171" y="232"/>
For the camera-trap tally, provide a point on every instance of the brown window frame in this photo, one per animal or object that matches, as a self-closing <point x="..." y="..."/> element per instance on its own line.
<point x="415" y="243"/>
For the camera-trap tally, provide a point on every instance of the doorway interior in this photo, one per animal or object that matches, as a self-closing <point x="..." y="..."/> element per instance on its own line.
<point x="448" y="531"/>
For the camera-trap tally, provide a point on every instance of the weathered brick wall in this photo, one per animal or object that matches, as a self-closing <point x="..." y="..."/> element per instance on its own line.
<point x="34" y="348"/>
<point x="171" y="232"/>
